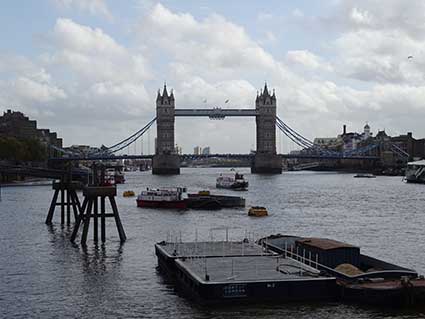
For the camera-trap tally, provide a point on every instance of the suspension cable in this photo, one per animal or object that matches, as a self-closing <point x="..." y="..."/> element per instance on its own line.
<point x="133" y="135"/>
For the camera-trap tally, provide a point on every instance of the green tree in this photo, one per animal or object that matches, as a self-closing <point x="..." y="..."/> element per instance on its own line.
<point x="22" y="150"/>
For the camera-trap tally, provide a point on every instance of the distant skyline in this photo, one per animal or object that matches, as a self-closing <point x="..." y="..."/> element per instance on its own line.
<point x="90" y="69"/>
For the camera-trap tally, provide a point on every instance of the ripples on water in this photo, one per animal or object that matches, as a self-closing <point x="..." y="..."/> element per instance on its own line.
<point x="43" y="275"/>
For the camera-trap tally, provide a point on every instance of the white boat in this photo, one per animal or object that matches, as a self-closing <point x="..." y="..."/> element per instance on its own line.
<point x="163" y="198"/>
<point x="415" y="172"/>
<point x="232" y="180"/>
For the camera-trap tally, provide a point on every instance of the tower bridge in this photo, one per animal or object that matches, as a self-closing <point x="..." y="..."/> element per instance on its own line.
<point x="166" y="161"/>
<point x="264" y="160"/>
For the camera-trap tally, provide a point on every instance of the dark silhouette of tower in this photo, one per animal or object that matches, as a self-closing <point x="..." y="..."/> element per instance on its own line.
<point x="165" y="160"/>
<point x="266" y="160"/>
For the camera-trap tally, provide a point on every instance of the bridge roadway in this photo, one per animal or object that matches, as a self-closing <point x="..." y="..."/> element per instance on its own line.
<point x="232" y="156"/>
<point x="215" y="112"/>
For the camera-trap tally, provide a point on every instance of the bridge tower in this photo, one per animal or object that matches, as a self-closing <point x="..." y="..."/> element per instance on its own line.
<point x="165" y="160"/>
<point x="266" y="160"/>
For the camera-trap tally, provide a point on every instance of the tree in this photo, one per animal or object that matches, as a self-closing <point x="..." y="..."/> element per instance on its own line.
<point x="22" y="149"/>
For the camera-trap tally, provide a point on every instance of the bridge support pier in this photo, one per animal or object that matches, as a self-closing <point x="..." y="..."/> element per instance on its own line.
<point x="93" y="195"/>
<point x="166" y="164"/>
<point x="264" y="163"/>
<point x="68" y="199"/>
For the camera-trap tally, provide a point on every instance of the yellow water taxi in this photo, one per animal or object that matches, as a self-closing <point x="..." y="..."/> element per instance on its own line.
<point x="128" y="194"/>
<point x="258" y="211"/>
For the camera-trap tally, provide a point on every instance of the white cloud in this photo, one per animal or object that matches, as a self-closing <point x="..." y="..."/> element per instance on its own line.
<point x="297" y="13"/>
<point x="375" y="43"/>
<point x="405" y="16"/>
<point x="264" y="16"/>
<point x="270" y="37"/>
<point x="94" y="55"/>
<point x="25" y="81"/>
<point x="213" y="45"/>
<point x="359" y="17"/>
<point x="307" y="59"/>
<point x="94" y="7"/>
<point x="37" y="91"/>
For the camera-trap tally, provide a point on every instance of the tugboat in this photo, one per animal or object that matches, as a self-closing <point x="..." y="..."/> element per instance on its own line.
<point x="163" y="198"/>
<point x="234" y="181"/>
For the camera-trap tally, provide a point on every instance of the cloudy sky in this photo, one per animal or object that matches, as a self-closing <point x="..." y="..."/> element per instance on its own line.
<point x="90" y="69"/>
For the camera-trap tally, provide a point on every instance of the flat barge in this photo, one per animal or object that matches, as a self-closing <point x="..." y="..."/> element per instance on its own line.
<point x="282" y="268"/>
<point x="208" y="201"/>
<point x="221" y="272"/>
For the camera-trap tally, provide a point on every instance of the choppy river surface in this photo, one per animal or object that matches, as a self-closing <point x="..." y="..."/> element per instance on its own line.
<point x="42" y="275"/>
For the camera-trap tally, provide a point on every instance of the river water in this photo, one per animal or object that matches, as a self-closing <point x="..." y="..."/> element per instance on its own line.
<point x="43" y="275"/>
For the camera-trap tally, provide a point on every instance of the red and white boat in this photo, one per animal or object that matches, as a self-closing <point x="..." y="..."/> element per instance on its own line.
<point x="163" y="198"/>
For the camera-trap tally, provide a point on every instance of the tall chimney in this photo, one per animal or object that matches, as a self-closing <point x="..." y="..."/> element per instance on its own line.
<point x="344" y="129"/>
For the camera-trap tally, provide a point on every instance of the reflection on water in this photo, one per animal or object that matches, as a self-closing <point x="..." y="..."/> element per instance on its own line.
<point x="42" y="274"/>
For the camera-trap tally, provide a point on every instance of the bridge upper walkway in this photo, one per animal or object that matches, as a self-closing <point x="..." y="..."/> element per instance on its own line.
<point x="215" y="112"/>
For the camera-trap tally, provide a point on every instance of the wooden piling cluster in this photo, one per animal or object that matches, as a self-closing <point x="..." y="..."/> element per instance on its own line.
<point x="93" y="196"/>
<point x="68" y="200"/>
<point x="93" y="206"/>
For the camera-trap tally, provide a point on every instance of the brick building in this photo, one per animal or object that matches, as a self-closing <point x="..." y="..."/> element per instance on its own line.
<point x="17" y="125"/>
<point x="415" y="147"/>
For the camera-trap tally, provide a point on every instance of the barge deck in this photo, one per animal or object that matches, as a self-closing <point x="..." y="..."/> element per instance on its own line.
<point x="251" y="278"/>
<point x="222" y="271"/>
<point x="168" y="252"/>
